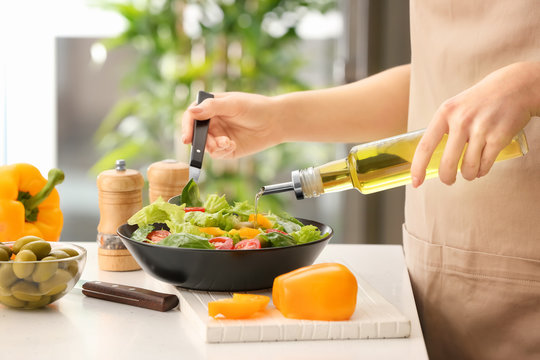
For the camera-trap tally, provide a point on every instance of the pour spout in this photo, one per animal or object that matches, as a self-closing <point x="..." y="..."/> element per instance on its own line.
<point x="277" y="188"/>
<point x="293" y="185"/>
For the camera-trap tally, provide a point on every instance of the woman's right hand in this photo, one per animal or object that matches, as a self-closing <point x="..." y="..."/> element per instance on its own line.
<point x="242" y="124"/>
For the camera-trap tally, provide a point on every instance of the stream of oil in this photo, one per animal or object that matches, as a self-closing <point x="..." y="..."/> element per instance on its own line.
<point x="257" y="197"/>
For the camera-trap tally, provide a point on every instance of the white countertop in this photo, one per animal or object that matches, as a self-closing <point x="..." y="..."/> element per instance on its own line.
<point x="78" y="327"/>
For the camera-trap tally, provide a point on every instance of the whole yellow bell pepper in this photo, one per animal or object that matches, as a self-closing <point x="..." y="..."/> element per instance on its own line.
<point x="29" y="204"/>
<point x="316" y="292"/>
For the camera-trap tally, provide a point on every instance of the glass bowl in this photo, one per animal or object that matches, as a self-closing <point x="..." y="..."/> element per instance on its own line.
<point x="34" y="284"/>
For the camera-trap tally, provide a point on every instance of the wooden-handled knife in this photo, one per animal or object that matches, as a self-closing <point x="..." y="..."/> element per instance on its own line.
<point x="129" y="295"/>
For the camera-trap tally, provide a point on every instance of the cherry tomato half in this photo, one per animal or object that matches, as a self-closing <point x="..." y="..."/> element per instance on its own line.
<point x="157" y="235"/>
<point x="248" y="244"/>
<point x="222" y="243"/>
<point x="275" y="230"/>
<point x="188" y="209"/>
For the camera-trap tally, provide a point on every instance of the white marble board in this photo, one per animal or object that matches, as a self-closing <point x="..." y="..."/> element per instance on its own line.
<point x="374" y="318"/>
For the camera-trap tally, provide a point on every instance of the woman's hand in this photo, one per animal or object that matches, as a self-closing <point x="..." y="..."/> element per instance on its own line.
<point x="486" y="116"/>
<point x="242" y="124"/>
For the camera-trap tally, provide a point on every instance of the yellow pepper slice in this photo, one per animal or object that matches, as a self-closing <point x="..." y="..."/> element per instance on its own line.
<point x="240" y="306"/>
<point x="245" y="232"/>
<point x="212" y="230"/>
<point x="262" y="221"/>
<point x="316" y="292"/>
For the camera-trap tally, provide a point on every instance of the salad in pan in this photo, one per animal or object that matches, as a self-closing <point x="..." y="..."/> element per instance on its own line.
<point x="216" y="224"/>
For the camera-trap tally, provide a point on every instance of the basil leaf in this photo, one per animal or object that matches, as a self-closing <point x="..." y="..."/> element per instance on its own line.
<point x="290" y="218"/>
<point x="276" y="239"/>
<point x="186" y="240"/>
<point x="142" y="232"/>
<point x="190" y="195"/>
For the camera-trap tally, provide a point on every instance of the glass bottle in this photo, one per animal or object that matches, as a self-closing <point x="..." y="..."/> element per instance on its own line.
<point x="375" y="166"/>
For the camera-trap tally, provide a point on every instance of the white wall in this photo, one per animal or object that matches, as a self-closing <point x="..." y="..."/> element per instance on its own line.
<point x="28" y="30"/>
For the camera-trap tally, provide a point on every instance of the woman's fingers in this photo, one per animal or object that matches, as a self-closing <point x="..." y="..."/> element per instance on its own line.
<point x="427" y="145"/>
<point x="222" y="106"/>
<point x="220" y="146"/>
<point x="489" y="155"/>
<point x="451" y="156"/>
<point x="208" y="109"/>
<point x="470" y="165"/>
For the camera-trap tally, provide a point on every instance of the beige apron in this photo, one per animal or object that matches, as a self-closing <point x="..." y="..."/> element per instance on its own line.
<point x="473" y="248"/>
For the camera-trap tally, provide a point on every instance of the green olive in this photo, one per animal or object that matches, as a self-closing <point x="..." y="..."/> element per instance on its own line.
<point x="59" y="254"/>
<point x="4" y="255"/>
<point x="21" y="269"/>
<point x="11" y="301"/>
<point x="45" y="300"/>
<point x="7" y="249"/>
<point x="5" y="291"/>
<point x="72" y="267"/>
<point x="23" y="241"/>
<point x="41" y="248"/>
<point x="71" y="252"/>
<point x="26" y="291"/>
<point x="7" y="277"/>
<point x="56" y="284"/>
<point x="45" y="269"/>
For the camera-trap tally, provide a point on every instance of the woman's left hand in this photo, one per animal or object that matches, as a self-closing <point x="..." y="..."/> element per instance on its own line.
<point x="486" y="116"/>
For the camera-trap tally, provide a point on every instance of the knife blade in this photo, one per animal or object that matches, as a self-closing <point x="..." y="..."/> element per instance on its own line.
<point x="129" y="295"/>
<point x="200" y="132"/>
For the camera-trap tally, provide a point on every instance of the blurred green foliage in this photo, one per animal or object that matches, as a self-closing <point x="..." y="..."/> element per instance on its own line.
<point x="186" y="46"/>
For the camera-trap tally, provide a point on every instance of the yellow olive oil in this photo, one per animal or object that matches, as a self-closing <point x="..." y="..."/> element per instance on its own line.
<point x="386" y="164"/>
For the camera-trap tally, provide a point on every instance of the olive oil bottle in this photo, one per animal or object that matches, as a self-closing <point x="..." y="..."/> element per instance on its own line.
<point x="375" y="166"/>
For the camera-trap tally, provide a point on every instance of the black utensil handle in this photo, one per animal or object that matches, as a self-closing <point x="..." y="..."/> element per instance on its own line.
<point x="200" y="132"/>
<point x="130" y="295"/>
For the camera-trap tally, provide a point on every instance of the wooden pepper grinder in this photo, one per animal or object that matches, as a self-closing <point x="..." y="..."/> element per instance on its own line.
<point x="166" y="178"/>
<point x="120" y="196"/>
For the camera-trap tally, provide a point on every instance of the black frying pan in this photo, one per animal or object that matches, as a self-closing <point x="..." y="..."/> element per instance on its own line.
<point x="222" y="270"/>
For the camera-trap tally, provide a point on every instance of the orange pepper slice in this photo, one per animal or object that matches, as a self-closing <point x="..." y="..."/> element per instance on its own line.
<point x="240" y="306"/>
<point x="212" y="230"/>
<point x="316" y="292"/>
<point x="262" y="221"/>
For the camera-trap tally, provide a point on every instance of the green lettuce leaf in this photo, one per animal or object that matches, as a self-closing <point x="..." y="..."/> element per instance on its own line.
<point x="186" y="241"/>
<point x="221" y="219"/>
<point x="201" y="219"/>
<point x="226" y="221"/>
<point x="186" y="228"/>
<point x="236" y="238"/>
<point x="243" y="210"/>
<point x="306" y="234"/>
<point x="157" y="212"/>
<point x="215" y="203"/>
